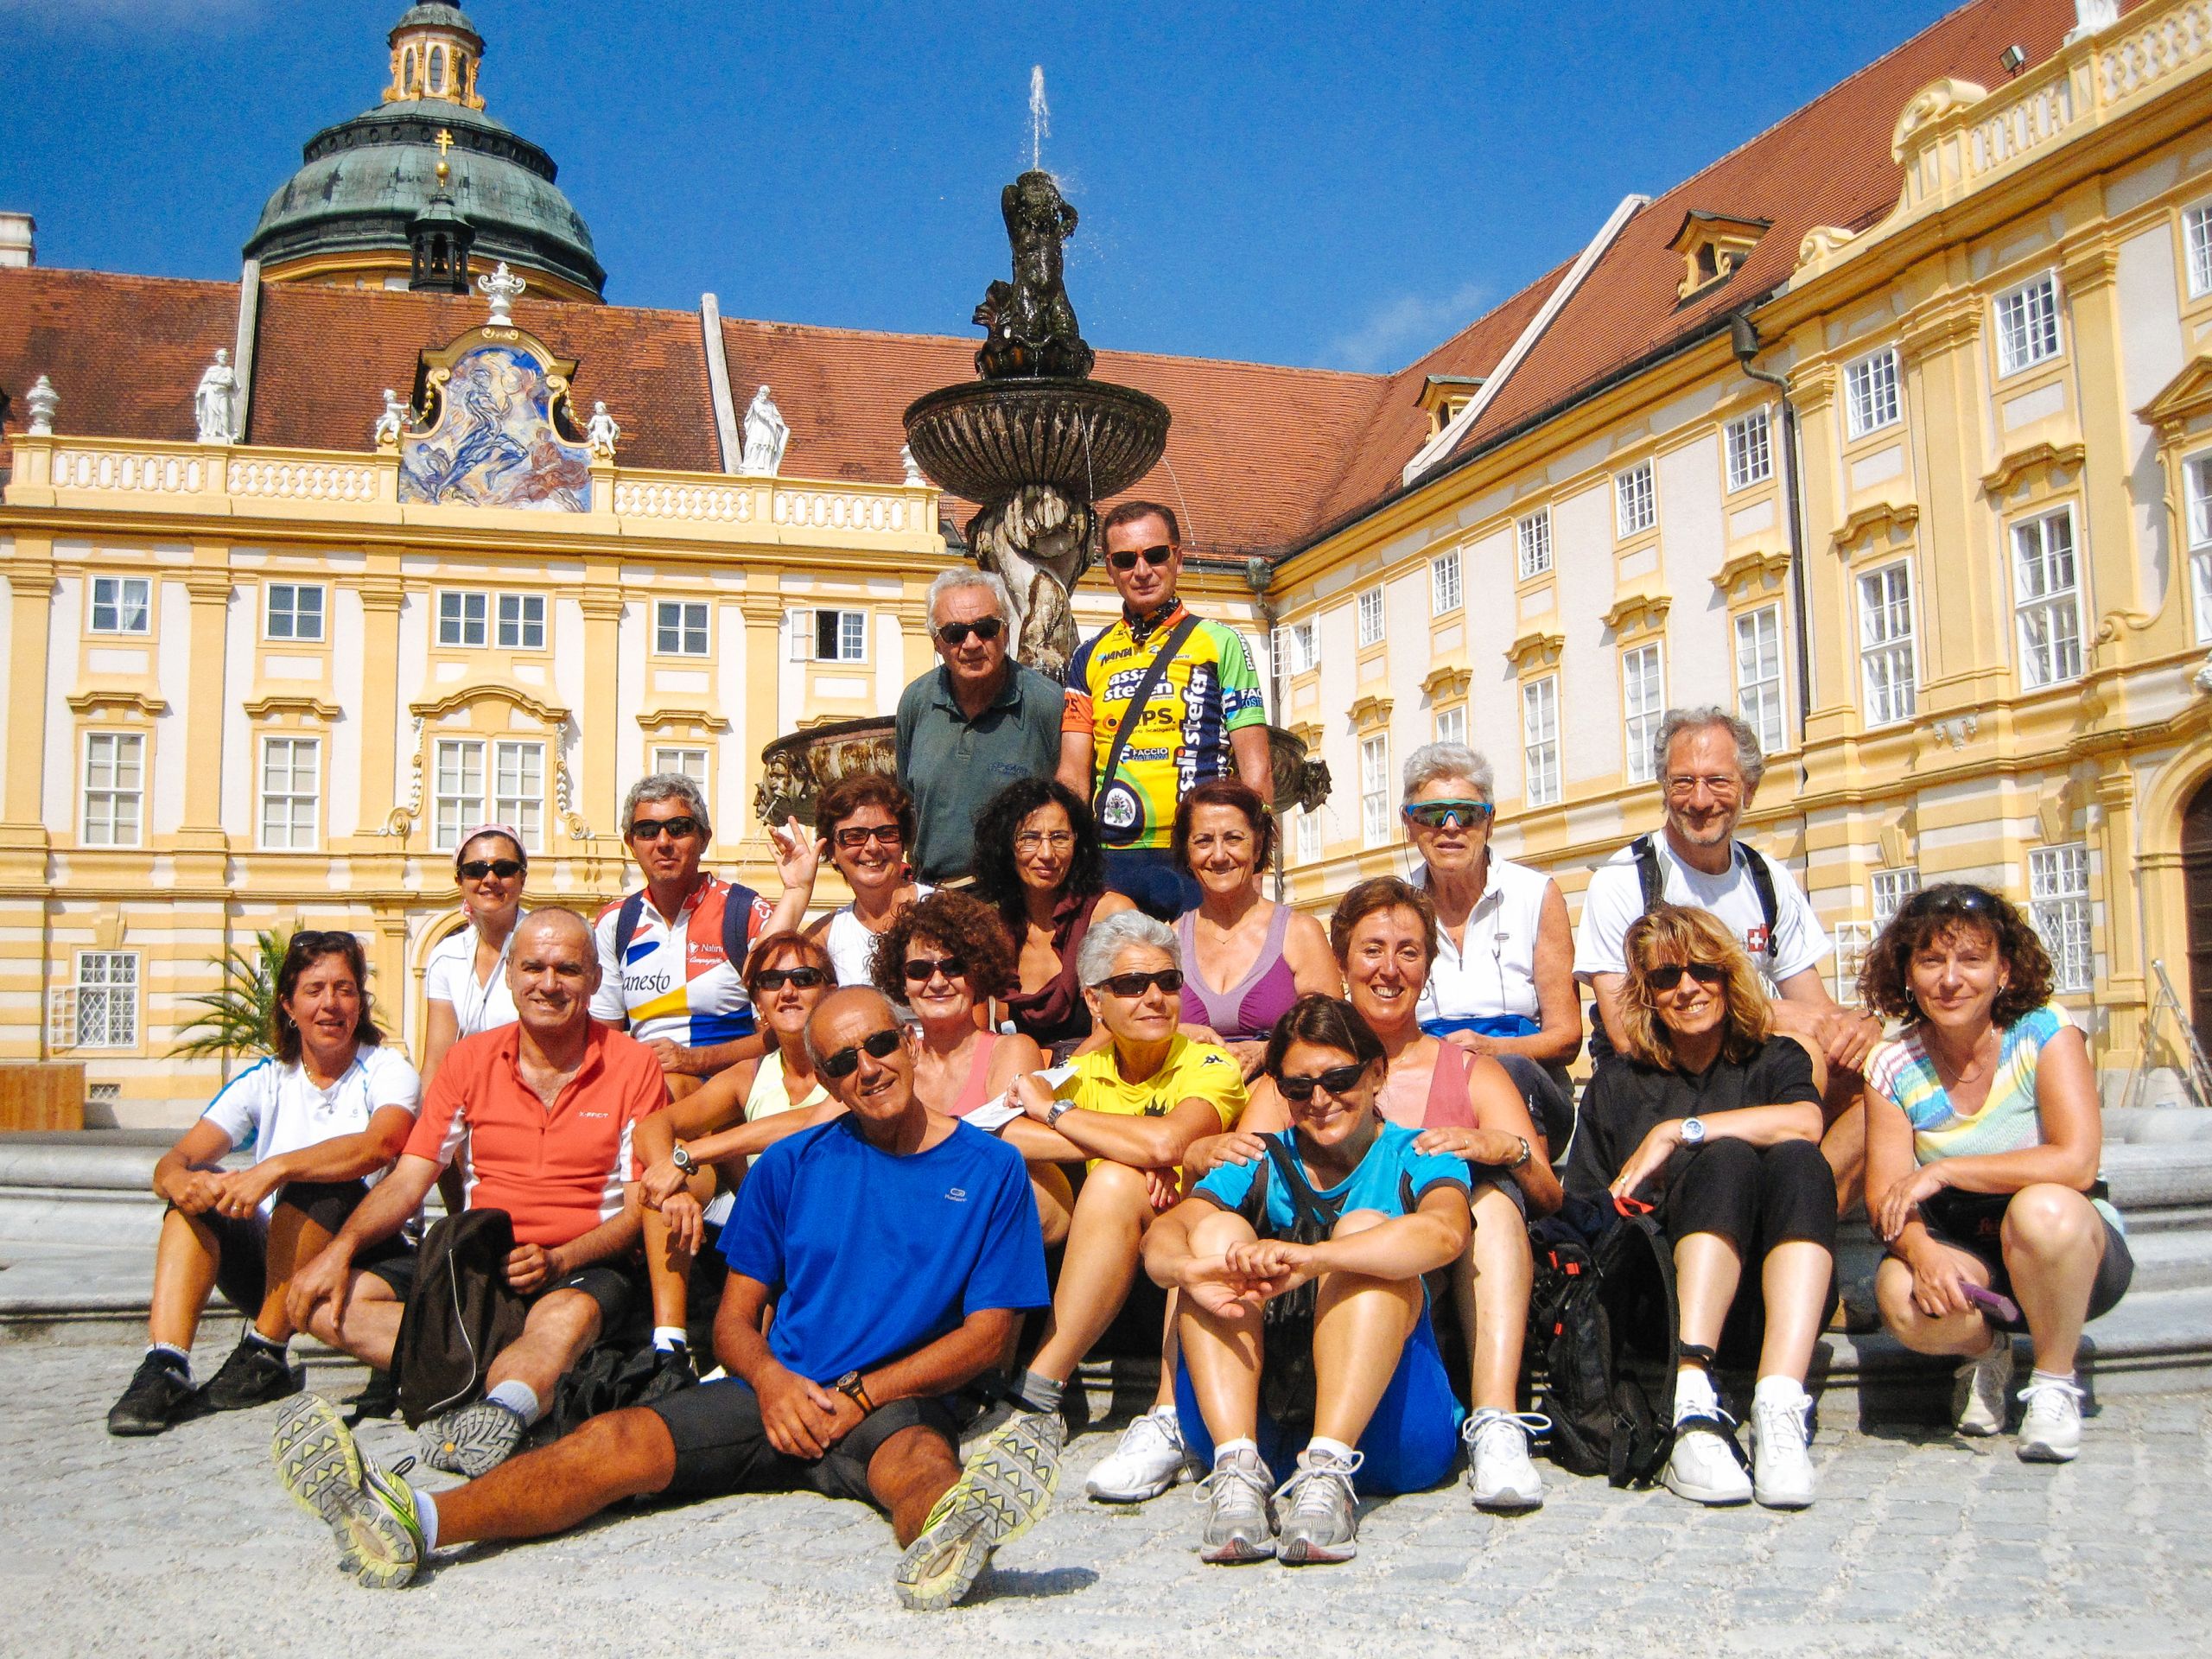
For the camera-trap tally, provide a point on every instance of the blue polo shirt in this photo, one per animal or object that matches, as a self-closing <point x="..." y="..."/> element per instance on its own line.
<point x="869" y="1257"/>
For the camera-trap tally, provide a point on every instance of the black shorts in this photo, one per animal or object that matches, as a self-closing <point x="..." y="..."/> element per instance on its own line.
<point x="617" y="1290"/>
<point x="1973" y="1222"/>
<point x="242" y="1243"/>
<point x="722" y="1447"/>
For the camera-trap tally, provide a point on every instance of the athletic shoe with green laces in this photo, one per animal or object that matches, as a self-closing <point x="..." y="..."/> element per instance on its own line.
<point x="1005" y="1486"/>
<point x="371" y="1513"/>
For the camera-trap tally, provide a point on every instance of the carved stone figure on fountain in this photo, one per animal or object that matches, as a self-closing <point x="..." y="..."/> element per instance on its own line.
<point x="1031" y="324"/>
<point x="1038" y="543"/>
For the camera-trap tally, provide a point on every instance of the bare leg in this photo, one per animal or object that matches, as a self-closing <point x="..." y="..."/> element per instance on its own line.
<point x="1500" y="1271"/>
<point x="1794" y="1281"/>
<point x="1360" y="1327"/>
<point x="1706" y="1272"/>
<point x="294" y="1240"/>
<point x="370" y="1329"/>
<point x="623" y="1455"/>
<point x="908" y="1473"/>
<point x="1048" y="1185"/>
<point x="559" y="1328"/>
<point x="668" y="1269"/>
<point x="1962" y="1335"/>
<point x="2054" y="1243"/>
<point x="1222" y="1350"/>
<point x="1110" y="1215"/>
<point x="1171" y="1350"/>
<point x="1843" y="1143"/>
<point x="184" y="1277"/>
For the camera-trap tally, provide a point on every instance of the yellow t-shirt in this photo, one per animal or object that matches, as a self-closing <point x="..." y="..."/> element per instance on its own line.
<point x="1193" y="1070"/>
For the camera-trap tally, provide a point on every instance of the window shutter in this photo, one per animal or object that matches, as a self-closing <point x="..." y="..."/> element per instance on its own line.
<point x="802" y="636"/>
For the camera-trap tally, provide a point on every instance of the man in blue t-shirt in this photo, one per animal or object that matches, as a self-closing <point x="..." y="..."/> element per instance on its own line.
<point x="897" y="1249"/>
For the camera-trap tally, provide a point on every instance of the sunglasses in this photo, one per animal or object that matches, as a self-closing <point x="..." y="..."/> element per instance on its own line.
<point x="1668" y="975"/>
<point x="1456" y="814"/>
<point x="477" y="869"/>
<point x="921" y="969"/>
<point x="1125" y="558"/>
<point x="846" y="1061"/>
<point x="1338" y="1079"/>
<point x="652" y="829"/>
<point x="856" y="836"/>
<point x="1169" y="980"/>
<point x="774" y="979"/>
<point x="984" y="628"/>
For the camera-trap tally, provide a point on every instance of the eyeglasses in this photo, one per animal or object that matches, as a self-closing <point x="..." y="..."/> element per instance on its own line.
<point x="921" y="969"/>
<point x="1338" y="1079"/>
<point x="801" y="979"/>
<point x="1169" y="980"/>
<point x="653" y="828"/>
<point x="854" y="837"/>
<point x="1125" y="558"/>
<point x="984" y="628"/>
<point x="846" y="1061"/>
<point x="1032" y="841"/>
<point x="1667" y="975"/>
<point x="1720" y="787"/>
<point x="1453" y="815"/>
<point x="477" y="869"/>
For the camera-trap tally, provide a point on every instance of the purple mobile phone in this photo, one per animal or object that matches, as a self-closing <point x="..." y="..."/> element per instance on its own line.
<point x="2001" y="1307"/>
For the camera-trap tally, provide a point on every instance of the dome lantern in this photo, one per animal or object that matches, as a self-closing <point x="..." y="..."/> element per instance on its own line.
<point x="434" y="54"/>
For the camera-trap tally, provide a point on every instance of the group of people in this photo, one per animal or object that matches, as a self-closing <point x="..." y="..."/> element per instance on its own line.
<point x="1059" y="1021"/>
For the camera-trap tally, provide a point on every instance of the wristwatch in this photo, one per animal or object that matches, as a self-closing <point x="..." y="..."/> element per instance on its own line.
<point x="1527" y="1153"/>
<point x="851" y="1386"/>
<point x="683" y="1159"/>
<point x="1058" y="1110"/>
<point x="1692" y="1131"/>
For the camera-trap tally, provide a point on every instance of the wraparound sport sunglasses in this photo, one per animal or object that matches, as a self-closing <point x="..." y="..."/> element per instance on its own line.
<point x="477" y="869"/>
<point x="1437" y="815"/>
<point x="846" y="1061"/>
<point x="1336" y="1080"/>
<point x="1125" y="558"/>
<point x="984" y="628"/>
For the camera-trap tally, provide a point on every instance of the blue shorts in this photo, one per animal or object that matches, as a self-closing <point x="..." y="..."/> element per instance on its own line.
<point x="1410" y="1441"/>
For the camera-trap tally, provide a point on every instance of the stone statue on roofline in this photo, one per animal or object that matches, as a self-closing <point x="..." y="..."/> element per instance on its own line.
<point x="912" y="468"/>
<point x="393" y="424"/>
<point x="214" y="403"/>
<point x="44" y="403"/>
<point x="765" y="437"/>
<point x="602" y="433"/>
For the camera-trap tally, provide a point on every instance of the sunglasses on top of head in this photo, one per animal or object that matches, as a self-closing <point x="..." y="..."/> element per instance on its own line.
<point x="984" y="628"/>
<point x="1439" y="815"/>
<point x="1667" y="975"/>
<point x="1125" y="558"/>
<point x="1336" y="1080"/>
<point x="1169" y="980"/>
<point x="846" y="1061"/>
<point x="477" y="869"/>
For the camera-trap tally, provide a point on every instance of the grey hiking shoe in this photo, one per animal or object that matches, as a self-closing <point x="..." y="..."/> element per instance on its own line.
<point x="1240" y="1524"/>
<point x="1321" y="1521"/>
<point x="472" y="1439"/>
<point x="1005" y="1484"/>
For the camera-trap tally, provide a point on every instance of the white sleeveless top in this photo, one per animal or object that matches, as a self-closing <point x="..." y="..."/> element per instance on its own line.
<point x="1493" y="970"/>
<point x="850" y="944"/>
<point x="449" y="976"/>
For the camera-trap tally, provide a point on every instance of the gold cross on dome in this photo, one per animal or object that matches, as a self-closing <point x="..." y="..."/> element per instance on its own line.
<point x="444" y="142"/>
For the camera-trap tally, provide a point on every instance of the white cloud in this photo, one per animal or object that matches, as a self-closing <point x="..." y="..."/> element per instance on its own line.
<point x="1396" y="330"/>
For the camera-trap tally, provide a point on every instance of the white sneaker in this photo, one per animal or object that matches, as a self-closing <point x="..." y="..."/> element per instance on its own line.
<point x="2050" y="1432"/>
<point x="1782" y="1462"/>
<point x="1150" y="1459"/>
<point x="1499" y="1473"/>
<point x="1979" y="1388"/>
<point x="1703" y="1467"/>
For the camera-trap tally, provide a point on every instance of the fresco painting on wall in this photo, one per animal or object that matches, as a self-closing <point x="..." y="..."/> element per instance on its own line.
<point x="495" y="444"/>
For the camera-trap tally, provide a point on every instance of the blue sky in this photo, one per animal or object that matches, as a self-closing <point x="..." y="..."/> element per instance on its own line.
<point x="1333" y="185"/>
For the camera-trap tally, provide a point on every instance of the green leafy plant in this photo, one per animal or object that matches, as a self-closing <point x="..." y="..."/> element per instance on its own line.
<point x="236" y="1021"/>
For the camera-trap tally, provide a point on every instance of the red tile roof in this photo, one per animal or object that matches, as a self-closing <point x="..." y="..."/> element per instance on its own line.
<point x="124" y="353"/>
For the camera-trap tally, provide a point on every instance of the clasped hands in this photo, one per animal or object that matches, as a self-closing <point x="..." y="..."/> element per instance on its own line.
<point x="804" y="1418"/>
<point x="1249" y="1274"/>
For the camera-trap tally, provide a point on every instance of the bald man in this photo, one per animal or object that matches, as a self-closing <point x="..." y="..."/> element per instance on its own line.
<point x="540" y="1115"/>
<point x="897" y="1249"/>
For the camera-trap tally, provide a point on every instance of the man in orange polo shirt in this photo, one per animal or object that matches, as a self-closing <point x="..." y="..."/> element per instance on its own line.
<point x="541" y="1114"/>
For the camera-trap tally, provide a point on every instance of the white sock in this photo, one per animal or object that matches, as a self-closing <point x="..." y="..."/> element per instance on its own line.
<point x="517" y="1397"/>
<point x="270" y="1343"/>
<point x="426" y="1511"/>
<point x="1228" y="1449"/>
<point x="1335" y="1450"/>
<point x="669" y="1338"/>
<point x="1694" y="1395"/>
<point x="172" y="1351"/>
<point x="2041" y="1376"/>
<point x="1779" y="1390"/>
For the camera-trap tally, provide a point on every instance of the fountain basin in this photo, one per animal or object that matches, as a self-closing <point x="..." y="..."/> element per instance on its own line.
<point x="985" y="439"/>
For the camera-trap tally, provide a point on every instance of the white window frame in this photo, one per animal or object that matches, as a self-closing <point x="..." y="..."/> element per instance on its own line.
<point x="2025" y="321"/>
<point x="2047" y="598"/>
<point x="1540" y="741"/>
<point x="1643" y="704"/>
<point x="294" y="613"/>
<point x="1375" y="788"/>
<point x="1873" y="396"/>
<point x="125" y="600"/>
<point x="1887" y="890"/>
<point x="1760" y="698"/>
<point x="1304" y="646"/>
<point x="684" y="620"/>
<point x="1444" y="589"/>
<point x="2196" y="488"/>
<point x="113" y="811"/>
<point x="1451" y="724"/>
<point x="1889" y="662"/>
<point x="691" y="761"/>
<point x="1636" y="500"/>
<point x="1369" y="608"/>
<point x="518" y="788"/>
<point x="1305" y="835"/>
<point x="519" y="624"/>
<point x="2197" y="247"/>
<point x="459" y="618"/>
<point x="96" y="985"/>
<point x="1533" y="537"/>
<point x="458" y="804"/>
<point x="2058" y="905"/>
<point x="283" y="797"/>
<point x="1748" y="442"/>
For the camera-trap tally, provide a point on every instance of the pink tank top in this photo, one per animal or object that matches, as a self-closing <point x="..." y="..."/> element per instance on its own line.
<point x="979" y="1071"/>
<point x="1447" y="1107"/>
<point x="1247" y="1010"/>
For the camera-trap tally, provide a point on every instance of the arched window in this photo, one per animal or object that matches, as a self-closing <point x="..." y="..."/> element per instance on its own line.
<point x="407" y="73"/>
<point x="437" y="69"/>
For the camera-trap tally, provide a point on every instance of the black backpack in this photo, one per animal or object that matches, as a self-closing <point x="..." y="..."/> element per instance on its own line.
<point x="1591" y="1302"/>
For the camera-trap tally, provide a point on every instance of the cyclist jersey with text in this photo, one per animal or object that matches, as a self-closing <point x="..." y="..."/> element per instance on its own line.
<point x="676" y="982"/>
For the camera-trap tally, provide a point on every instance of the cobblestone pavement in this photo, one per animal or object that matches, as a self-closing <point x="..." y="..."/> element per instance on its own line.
<point x="1920" y="1543"/>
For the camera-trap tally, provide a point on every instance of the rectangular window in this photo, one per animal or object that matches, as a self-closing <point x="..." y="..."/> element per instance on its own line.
<point x="123" y="605"/>
<point x="1644" y="699"/>
<point x="1636" y="502"/>
<point x="1750" y="450"/>
<point x="1308" y="834"/>
<point x="1885" y="643"/>
<point x="691" y="763"/>
<point x="114" y="785"/>
<point x="2196" y="231"/>
<point x="295" y="611"/>
<point x="522" y="622"/>
<point x="840" y="636"/>
<point x="1370" y="617"/>
<point x="107" y="999"/>
<point x="680" y="627"/>
<point x="461" y="619"/>
<point x="291" y="784"/>
<point x="518" y="790"/>
<point x="1536" y="533"/>
<point x="2027" y="325"/>
<point x="1889" y="889"/>
<point x="1539" y="739"/>
<point x="2047" y="599"/>
<point x="1870" y="388"/>
<point x="1759" y="674"/>
<point x="1375" y="788"/>
<point x="1452" y="724"/>
<point x="2197" y="474"/>
<point x="457" y="791"/>
<point x="2058" y="905"/>
<point x="1305" y="645"/>
<point x="1444" y="583"/>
